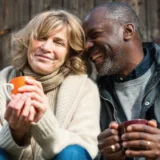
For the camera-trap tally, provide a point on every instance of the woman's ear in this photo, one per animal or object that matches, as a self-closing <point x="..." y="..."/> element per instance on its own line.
<point x="128" y="32"/>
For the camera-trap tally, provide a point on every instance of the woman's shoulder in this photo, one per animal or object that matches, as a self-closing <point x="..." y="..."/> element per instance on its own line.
<point x="75" y="79"/>
<point x="7" y="69"/>
<point x="7" y="73"/>
<point x="79" y="81"/>
<point x="82" y="76"/>
<point x="77" y="86"/>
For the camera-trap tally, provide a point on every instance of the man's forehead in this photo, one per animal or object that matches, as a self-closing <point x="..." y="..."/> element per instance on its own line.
<point x="97" y="12"/>
<point x="95" y="17"/>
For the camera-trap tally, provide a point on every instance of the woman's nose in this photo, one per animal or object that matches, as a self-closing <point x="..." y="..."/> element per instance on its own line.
<point x="48" y="46"/>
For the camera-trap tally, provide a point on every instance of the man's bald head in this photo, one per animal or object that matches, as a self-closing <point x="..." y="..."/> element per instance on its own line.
<point x="117" y="11"/>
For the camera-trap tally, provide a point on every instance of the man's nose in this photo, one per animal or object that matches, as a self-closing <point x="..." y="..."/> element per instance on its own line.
<point x="48" y="46"/>
<point x="89" y="44"/>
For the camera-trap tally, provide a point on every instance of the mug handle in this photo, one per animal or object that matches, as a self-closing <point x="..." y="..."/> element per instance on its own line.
<point x="6" y="91"/>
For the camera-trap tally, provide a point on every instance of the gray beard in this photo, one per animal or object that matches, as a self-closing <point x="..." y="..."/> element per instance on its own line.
<point x="104" y="70"/>
<point x="112" y="65"/>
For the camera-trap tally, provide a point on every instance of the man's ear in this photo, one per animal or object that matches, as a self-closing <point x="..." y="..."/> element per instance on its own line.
<point x="128" y="32"/>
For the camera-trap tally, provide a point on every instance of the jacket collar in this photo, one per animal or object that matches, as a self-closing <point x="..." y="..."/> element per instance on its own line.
<point x="107" y="82"/>
<point x="155" y="52"/>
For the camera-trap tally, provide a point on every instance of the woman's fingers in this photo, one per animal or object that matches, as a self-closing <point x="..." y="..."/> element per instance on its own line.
<point x="11" y="105"/>
<point x="35" y="96"/>
<point x="26" y="109"/>
<point x="32" y="86"/>
<point x="40" y="108"/>
<point x="32" y="114"/>
<point x="33" y="82"/>
<point x="16" y="107"/>
<point x="39" y="100"/>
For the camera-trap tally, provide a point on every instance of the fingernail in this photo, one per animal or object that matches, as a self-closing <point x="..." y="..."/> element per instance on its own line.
<point x="26" y="78"/>
<point x="124" y="144"/>
<point x="129" y="128"/>
<point x="123" y="137"/>
<point x="19" y="89"/>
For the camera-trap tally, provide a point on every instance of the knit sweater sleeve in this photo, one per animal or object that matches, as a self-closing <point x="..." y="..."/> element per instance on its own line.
<point x="6" y="141"/>
<point x="80" y="126"/>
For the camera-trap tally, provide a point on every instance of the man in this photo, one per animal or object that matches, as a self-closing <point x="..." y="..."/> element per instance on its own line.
<point x="129" y="82"/>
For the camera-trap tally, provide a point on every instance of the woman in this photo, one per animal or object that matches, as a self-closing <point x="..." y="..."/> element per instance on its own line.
<point x="55" y="116"/>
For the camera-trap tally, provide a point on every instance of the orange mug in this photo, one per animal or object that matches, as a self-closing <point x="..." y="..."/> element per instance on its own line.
<point x="13" y="85"/>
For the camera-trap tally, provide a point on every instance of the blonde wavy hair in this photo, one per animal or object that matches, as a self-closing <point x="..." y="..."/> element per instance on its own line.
<point x="45" y="24"/>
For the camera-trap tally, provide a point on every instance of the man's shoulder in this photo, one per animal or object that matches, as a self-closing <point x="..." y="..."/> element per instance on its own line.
<point x="103" y="81"/>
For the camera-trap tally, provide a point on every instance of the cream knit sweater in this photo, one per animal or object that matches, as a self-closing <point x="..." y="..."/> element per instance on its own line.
<point x="76" y="120"/>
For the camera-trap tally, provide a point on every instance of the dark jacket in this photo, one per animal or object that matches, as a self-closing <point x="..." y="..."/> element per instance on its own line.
<point x="111" y="109"/>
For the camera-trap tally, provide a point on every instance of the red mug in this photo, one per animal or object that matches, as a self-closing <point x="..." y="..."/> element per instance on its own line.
<point x="123" y="126"/>
<point x="13" y="85"/>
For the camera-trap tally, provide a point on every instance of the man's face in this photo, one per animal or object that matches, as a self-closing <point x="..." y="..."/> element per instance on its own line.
<point x="104" y="42"/>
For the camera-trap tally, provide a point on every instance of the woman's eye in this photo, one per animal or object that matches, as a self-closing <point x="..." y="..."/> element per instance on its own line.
<point x="59" y="42"/>
<point x="42" y="38"/>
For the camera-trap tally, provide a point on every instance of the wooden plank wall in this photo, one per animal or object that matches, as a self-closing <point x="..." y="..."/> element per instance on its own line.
<point x="14" y="14"/>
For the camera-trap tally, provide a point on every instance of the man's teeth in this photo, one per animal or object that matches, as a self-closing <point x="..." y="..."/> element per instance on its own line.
<point x="96" y="56"/>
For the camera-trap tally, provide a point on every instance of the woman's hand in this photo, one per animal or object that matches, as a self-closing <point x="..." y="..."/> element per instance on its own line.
<point x="20" y="114"/>
<point x="39" y="100"/>
<point x="26" y="107"/>
<point x="109" y="143"/>
<point x="142" y="141"/>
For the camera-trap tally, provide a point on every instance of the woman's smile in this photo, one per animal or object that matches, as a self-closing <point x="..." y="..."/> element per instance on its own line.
<point x="44" y="57"/>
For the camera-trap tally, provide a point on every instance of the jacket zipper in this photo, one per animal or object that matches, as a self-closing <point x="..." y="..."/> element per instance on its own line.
<point x="112" y="106"/>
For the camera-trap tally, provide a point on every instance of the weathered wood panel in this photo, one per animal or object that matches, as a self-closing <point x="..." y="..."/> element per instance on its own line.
<point x="71" y="5"/>
<point x="152" y="19"/>
<point x="84" y="7"/>
<point x="1" y="32"/>
<point x="141" y="12"/>
<point x="16" y="13"/>
<point x="98" y="2"/>
<point x="36" y="7"/>
<point x="53" y="4"/>
<point x="7" y="18"/>
<point x="21" y="13"/>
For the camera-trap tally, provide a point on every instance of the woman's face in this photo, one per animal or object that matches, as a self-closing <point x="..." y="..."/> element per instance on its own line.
<point x="48" y="54"/>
